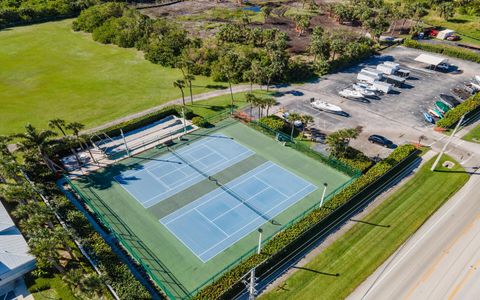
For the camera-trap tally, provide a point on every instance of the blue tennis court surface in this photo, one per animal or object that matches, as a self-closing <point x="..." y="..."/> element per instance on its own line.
<point x="217" y="220"/>
<point x="172" y="173"/>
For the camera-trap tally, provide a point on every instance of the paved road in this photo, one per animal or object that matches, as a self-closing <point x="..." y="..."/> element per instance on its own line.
<point x="440" y="261"/>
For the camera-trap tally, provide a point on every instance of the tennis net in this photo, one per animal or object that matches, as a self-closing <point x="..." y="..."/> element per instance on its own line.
<point x="224" y="187"/>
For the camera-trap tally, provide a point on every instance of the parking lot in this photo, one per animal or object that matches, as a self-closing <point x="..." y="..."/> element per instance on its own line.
<point x="397" y="115"/>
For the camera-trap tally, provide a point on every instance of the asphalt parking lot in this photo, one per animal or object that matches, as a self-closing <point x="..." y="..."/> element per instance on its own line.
<point x="397" y="115"/>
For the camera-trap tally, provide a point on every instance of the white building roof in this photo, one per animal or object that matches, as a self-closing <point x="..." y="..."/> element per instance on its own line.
<point x="430" y="59"/>
<point x="14" y="257"/>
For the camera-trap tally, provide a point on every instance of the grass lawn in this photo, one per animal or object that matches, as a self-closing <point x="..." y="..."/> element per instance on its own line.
<point x="44" y="288"/>
<point x="473" y="135"/>
<point x="48" y="71"/>
<point x="467" y="26"/>
<point x="363" y="248"/>
<point x="213" y="106"/>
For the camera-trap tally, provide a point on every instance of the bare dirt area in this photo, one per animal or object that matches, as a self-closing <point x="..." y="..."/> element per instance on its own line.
<point x="203" y="17"/>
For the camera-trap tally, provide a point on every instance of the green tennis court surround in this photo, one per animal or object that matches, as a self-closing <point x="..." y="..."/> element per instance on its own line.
<point x="163" y="248"/>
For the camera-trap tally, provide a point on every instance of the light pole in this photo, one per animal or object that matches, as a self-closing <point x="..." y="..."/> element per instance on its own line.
<point x="446" y="144"/>
<point x="323" y="195"/>
<point x="260" y="231"/>
<point x="252" y="291"/>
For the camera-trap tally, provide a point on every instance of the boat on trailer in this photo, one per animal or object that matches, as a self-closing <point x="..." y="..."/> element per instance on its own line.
<point x="325" y="106"/>
<point x="351" y="94"/>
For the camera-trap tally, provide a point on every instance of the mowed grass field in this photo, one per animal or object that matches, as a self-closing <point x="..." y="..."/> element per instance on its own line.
<point x="346" y="263"/>
<point x="473" y="135"/>
<point x="467" y="26"/>
<point x="48" y="71"/>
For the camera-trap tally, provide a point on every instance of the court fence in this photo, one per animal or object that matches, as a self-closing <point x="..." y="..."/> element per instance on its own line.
<point x="169" y="284"/>
<point x="290" y="142"/>
<point x="102" y="217"/>
<point x="342" y="198"/>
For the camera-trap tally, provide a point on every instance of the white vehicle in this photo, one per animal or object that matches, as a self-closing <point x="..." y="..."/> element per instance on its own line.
<point x="385" y="69"/>
<point x="383" y="86"/>
<point x="366" y="86"/>
<point x="325" y="106"/>
<point x="365" y="77"/>
<point x="477" y="78"/>
<point x="392" y="64"/>
<point x="373" y="72"/>
<point x="364" y="91"/>
<point x="351" y="94"/>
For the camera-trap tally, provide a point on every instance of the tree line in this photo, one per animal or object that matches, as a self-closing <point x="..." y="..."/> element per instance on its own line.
<point x="48" y="241"/>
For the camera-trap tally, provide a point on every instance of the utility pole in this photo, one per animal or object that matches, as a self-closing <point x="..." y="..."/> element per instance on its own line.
<point x="323" y="195"/>
<point x="252" y="291"/>
<point x="446" y="144"/>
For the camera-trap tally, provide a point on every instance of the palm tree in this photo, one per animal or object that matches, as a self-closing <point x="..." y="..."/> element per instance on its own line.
<point x="32" y="138"/>
<point x="251" y="99"/>
<point x="269" y="102"/>
<point x="44" y="247"/>
<point x="189" y="78"/>
<point x="292" y="118"/>
<point x="306" y="120"/>
<point x="180" y="84"/>
<point x="58" y="124"/>
<point x="8" y="165"/>
<point x="75" y="127"/>
<point x="338" y="141"/>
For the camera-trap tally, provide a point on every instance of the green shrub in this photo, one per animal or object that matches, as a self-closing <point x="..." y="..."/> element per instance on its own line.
<point x="93" y="17"/>
<point x="356" y="159"/>
<point x="285" y="237"/>
<point x="453" y="116"/>
<point x="200" y="121"/>
<point x="447" y="50"/>
<point x="274" y="122"/>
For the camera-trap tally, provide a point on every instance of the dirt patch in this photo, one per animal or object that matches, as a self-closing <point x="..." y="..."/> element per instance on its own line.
<point x="201" y="24"/>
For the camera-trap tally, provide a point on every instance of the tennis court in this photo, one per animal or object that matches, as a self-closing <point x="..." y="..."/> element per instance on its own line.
<point x="190" y="211"/>
<point x="172" y="173"/>
<point x="218" y="219"/>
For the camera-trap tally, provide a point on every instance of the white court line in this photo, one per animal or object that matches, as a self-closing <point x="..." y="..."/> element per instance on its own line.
<point x="211" y="198"/>
<point x="259" y="217"/>
<point x="270" y="185"/>
<point x="239" y="204"/>
<point x="206" y="145"/>
<point x="188" y="179"/>
<point x="205" y="217"/>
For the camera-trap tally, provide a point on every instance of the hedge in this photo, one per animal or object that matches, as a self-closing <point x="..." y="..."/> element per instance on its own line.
<point x="453" y="116"/>
<point x="287" y="236"/>
<point x="447" y="50"/>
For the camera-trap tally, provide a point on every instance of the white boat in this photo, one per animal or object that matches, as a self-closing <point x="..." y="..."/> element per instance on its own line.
<point x="325" y="106"/>
<point x="477" y="78"/>
<point x="364" y="91"/>
<point x="366" y="86"/>
<point x="351" y="94"/>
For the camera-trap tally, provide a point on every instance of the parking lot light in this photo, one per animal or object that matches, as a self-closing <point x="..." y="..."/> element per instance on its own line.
<point x="323" y="195"/>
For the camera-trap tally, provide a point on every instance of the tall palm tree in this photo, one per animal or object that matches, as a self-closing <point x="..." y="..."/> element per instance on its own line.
<point x="269" y="102"/>
<point x="180" y="84"/>
<point x="76" y="127"/>
<point x="306" y="120"/>
<point x="57" y="124"/>
<point x="250" y="98"/>
<point x="292" y="118"/>
<point x="32" y="138"/>
<point x="189" y="78"/>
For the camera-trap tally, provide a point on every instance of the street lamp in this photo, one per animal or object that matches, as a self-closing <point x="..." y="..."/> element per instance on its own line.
<point x="323" y="195"/>
<point x="260" y="230"/>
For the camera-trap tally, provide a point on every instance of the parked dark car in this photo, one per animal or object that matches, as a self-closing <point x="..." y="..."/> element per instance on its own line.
<point x="380" y="140"/>
<point x="453" y="38"/>
<point x="449" y="100"/>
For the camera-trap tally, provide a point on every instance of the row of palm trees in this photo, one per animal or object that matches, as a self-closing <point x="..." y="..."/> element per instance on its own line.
<point x="261" y="103"/>
<point x="49" y="242"/>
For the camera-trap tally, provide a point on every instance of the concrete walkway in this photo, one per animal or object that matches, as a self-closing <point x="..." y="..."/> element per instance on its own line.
<point x="199" y="97"/>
